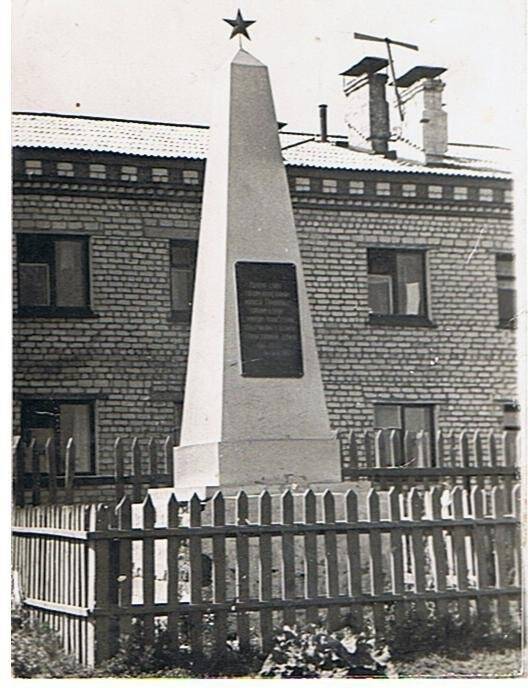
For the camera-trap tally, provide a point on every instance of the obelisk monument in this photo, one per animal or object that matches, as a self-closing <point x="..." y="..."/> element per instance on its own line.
<point x="254" y="409"/>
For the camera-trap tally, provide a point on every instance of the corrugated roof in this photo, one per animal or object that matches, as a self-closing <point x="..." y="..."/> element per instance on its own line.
<point x="187" y="141"/>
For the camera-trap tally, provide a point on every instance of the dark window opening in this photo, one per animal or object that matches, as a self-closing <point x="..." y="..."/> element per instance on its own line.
<point x="53" y="275"/>
<point x="182" y="271"/>
<point x="59" y="420"/>
<point x="408" y="420"/>
<point x="511" y="417"/>
<point x="397" y="283"/>
<point x="506" y="289"/>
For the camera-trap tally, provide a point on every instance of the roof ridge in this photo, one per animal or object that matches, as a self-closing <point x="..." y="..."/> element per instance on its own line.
<point x="111" y="119"/>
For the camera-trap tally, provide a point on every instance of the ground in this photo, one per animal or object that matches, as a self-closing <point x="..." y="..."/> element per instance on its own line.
<point x="500" y="664"/>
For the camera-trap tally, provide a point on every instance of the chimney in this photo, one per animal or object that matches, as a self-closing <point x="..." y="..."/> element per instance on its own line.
<point x="367" y="114"/>
<point x="425" y="122"/>
<point x="323" y="121"/>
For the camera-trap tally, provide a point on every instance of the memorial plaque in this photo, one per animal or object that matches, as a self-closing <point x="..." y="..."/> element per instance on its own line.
<point x="268" y="317"/>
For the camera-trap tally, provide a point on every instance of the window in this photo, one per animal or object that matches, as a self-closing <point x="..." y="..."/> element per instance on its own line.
<point x="408" y="420"/>
<point x="486" y="195"/>
<point x="33" y="167"/>
<point x="302" y="184"/>
<point x="329" y="186"/>
<point x="190" y="177"/>
<point x="356" y="187"/>
<point x="60" y="419"/>
<point x="460" y="193"/>
<point x="434" y="191"/>
<point x="511" y="419"/>
<point x="408" y="190"/>
<point x="160" y="174"/>
<point x="506" y="289"/>
<point x="65" y="169"/>
<point x="396" y="283"/>
<point x="129" y="173"/>
<point x="508" y="196"/>
<point x="97" y="171"/>
<point x="182" y="267"/>
<point x="383" y="189"/>
<point x="52" y="274"/>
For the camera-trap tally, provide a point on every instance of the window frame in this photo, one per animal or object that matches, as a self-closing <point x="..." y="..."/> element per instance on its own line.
<point x="508" y="323"/>
<point x="58" y="401"/>
<point x="53" y="310"/>
<point x="182" y="315"/>
<point x="394" y="318"/>
<point x="402" y="405"/>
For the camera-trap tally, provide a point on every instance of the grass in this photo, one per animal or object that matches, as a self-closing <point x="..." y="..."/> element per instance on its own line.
<point x="478" y="664"/>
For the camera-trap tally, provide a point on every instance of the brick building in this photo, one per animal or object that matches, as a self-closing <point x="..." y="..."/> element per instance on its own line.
<point x="407" y="257"/>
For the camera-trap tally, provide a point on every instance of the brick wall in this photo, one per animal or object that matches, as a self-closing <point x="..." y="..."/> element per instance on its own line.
<point x="131" y="357"/>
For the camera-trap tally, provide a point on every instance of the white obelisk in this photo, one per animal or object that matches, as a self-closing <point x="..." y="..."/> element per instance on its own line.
<point x="245" y="421"/>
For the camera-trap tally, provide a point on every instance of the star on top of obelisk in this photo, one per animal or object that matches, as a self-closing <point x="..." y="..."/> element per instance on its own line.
<point x="240" y="26"/>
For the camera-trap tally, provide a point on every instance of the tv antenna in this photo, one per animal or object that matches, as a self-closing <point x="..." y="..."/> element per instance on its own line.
<point x="388" y="42"/>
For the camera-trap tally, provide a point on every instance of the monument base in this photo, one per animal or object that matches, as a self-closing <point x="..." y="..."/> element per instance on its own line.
<point x="253" y="462"/>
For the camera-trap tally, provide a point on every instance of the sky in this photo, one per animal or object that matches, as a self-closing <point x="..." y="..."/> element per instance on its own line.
<point x="156" y="59"/>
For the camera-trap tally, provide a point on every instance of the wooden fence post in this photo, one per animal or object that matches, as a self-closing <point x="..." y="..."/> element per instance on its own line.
<point x="498" y="506"/>
<point x="119" y="469"/>
<point x="101" y="642"/>
<point x="51" y="460"/>
<point x="148" y="569"/>
<point x="35" y="472"/>
<point x="265" y="571"/>
<point x="288" y="557"/>
<point x="439" y="549"/>
<point x="459" y="542"/>
<point x="418" y="550"/>
<point x="69" y="473"/>
<point x="19" y="470"/>
<point x="137" y="476"/>
<point x="481" y="549"/>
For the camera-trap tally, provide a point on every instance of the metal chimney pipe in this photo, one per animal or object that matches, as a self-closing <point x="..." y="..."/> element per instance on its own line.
<point x="323" y="121"/>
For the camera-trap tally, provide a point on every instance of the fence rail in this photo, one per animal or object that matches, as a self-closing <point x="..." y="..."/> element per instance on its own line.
<point x="245" y="565"/>
<point x="37" y="475"/>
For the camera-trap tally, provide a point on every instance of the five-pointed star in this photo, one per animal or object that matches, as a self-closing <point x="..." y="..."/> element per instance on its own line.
<point x="239" y="25"/>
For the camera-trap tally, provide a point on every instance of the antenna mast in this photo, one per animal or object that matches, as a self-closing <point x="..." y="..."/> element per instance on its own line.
<point x="388" y="42"/>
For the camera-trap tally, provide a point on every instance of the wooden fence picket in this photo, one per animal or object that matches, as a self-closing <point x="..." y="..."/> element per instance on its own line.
<point x="459" y="546"/>
<point x="242" y="570"/>
<point x="288" y="557"/>
<point x="310" y="555"/>
<point x="353" y="559"/>
<point x="481" y="550"/>
<point x="418" y="550"/>
<point x="173" y="569"/>
<point x="195" y="575"/>
<point x="331" y="570"/>
<point x="124" y="522"/>
<point x="137" y="471"/>
<point x="498" y="506"/>
<point x="219" y="574"/>
<point x="376" y="561"/>
<point x="439" y="563"/>
<point x="397" y="568"/>
<point x="69" y="470"/>
<point x="265" y="571"/>
<point x="440" y="449"/>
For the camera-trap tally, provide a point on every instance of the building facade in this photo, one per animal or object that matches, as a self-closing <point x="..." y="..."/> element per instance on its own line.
<point x="409" y="270"/>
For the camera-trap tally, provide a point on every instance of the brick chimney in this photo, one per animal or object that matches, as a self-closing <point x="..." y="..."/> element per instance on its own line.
<point x="425" y="122"/>
<point x="367" y="113"/>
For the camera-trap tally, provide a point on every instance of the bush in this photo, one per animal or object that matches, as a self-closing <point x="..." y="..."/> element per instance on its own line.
<point x="36" y="650"/>
<point x="312" y="652"/>
<point x="415" y="634"/>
